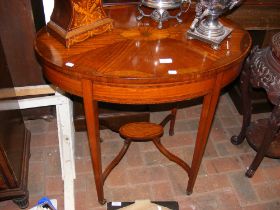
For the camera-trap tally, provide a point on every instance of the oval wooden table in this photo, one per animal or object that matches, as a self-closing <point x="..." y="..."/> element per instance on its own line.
<point x="136" y="63"/>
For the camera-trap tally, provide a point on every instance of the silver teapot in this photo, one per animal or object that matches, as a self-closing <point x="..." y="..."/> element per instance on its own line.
<point x="161" y="7"/>
<point x="206" y="26"/>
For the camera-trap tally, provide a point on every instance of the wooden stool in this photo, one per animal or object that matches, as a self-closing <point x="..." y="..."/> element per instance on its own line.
<point x="142" y="132"/>
<point x="261" y="70"/>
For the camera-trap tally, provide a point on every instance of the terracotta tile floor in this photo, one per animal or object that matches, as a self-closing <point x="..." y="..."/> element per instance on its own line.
<point x="145" y="174"/>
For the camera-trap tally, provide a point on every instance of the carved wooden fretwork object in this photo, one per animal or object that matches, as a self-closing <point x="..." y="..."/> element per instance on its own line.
<point x="74" y="21"/>
<point x="261" y="70"/>
<point x="265" y="74"/>
<point x="275" y="46"/>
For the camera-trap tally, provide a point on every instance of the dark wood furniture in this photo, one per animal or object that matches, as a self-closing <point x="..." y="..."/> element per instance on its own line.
<point x="14" y="145"/>
<point x="262" y="19"/>
<point x="262" y="70"/>
<point x="125" y="66"/>
<point x="257" y="15"/>
<point x="20" y="56"/>
<point x="17" y="32"/>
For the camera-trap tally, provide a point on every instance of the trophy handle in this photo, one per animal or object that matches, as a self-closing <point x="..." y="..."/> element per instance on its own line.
<point x="235" y="3"/>
<point x="198" y="18"/>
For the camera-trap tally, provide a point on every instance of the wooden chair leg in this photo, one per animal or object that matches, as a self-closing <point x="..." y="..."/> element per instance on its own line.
<point x="272" y="129"/>
<point x="246" y="103"/>
<point x="66" y="138"/>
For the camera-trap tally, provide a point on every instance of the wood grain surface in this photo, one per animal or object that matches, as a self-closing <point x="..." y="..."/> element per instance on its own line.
<point x="127" y="60"/>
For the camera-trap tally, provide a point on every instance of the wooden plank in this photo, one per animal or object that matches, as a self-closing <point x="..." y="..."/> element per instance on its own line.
<point x="6" y="93"/>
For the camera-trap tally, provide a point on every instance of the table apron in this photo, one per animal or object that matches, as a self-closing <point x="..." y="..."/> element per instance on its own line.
<point x="64" y="82"/>
<point x="151" y="94"/>
<point x="141" y="93"/>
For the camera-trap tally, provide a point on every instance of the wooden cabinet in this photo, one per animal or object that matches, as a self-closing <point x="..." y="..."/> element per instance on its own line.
<point x="14" y="157"/>
<point x="14" y="146"/>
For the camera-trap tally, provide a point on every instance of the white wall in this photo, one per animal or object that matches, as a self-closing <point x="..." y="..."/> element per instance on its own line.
<point x="48" y="8"/>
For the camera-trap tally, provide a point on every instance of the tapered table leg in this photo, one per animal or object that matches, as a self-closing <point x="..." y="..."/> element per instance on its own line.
<point x="207" y="113"/>
<point x="91" y="113"/>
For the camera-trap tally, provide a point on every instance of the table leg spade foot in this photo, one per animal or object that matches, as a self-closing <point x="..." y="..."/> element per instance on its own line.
<point x="189" y="192"/>
<point x="250" y="172"/>
<point x="102" y="202"/>
<point x="171" y="133"/>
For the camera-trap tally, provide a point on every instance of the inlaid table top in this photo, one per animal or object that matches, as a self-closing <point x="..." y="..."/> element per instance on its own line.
<point x="136" y="52"/>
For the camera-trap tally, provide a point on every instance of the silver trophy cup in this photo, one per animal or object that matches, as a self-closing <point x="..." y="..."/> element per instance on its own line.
<point x="161" y="7"/>
<point x="206" y="26"/>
